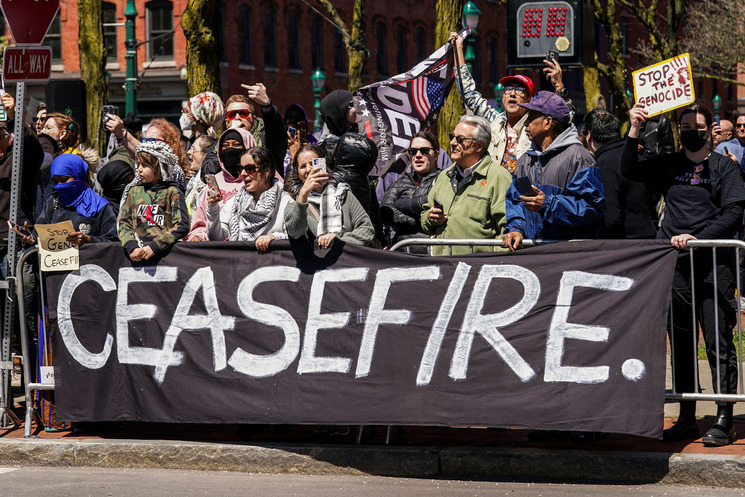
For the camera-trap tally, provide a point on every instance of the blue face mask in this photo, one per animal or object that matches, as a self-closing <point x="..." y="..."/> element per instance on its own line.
<point x="69" y="192"/>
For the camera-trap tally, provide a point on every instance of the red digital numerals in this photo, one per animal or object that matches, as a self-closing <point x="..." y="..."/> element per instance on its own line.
<point x="555" y="24"/>
<point x="532" y="23"/>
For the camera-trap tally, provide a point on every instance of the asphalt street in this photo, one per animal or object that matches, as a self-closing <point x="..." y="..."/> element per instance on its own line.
<point x="100" y="482"/>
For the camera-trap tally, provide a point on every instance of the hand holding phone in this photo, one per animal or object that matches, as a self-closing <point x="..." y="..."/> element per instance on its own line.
<point x="22" y="231"/>
<point x="438" y="205"/>
<point x="213" y="189"/>
<point x="524" y="187"/>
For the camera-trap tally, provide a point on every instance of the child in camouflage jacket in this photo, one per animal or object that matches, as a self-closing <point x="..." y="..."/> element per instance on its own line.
<point x="153" y="214"/>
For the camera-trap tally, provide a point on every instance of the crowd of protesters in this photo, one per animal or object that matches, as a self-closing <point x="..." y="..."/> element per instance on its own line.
<point x="523" y="173"/>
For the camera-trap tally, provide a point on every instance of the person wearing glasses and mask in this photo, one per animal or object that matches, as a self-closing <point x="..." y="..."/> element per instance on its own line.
<point x="403" y="202"/>
<point x="508" y="138"/>
<point x="566" y="199"/>
<point x="704" y="198"/>
<point x="256" y="212"/>
<point x="230" y="148"/>
<point x="467" y="199"/>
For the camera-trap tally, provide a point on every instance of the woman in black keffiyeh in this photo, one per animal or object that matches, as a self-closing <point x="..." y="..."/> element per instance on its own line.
<point x="256" y="212"/>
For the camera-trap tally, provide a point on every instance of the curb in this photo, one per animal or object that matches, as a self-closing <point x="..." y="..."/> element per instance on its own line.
<point x="411" y="462"/>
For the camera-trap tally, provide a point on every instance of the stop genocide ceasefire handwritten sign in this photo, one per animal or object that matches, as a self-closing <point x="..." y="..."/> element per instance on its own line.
<point x="665" y="86"/>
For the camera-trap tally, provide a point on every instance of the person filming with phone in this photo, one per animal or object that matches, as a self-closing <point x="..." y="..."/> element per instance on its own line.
<point x="323" y="209"/>
<point x="467" y="199"/>
<point x="558" y="192"/>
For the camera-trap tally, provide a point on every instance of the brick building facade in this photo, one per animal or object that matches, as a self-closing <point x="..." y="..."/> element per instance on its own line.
<point x="281" y="42"/>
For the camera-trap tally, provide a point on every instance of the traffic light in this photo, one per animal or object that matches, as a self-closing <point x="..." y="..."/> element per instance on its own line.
<point x="564" y="27"/>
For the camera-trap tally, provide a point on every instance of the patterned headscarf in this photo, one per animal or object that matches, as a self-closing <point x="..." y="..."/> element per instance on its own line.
<point x="208" y="109"/>
<point x="167" y="160"/>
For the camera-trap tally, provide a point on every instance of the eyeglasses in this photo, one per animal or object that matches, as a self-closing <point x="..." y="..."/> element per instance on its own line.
<point x="424" y="150"/>
<point x="243" y="113"/>
<point x="696" y="179"/>
<point x="741" y="125"/>
<point x="460" y="139"/>
<point x="515" y="89"/>
<point x="148" y="140"/>
<point x="248" y="168"/>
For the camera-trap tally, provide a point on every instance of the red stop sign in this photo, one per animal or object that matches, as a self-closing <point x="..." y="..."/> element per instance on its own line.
<point x="29" y="20"/>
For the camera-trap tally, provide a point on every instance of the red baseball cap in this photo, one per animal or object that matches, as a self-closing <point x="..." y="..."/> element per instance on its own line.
<point x="519" y="80"/>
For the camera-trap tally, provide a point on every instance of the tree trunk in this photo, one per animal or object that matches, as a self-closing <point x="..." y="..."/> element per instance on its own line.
<point x="93" y="68"/>
<point x="356" y="51"/>
<point x="593" y="96"/>
<point x="201" y="24"/>
<point x="448" y="14"/>
<point x="354" y="42"/>
<point x="615" y="71"/>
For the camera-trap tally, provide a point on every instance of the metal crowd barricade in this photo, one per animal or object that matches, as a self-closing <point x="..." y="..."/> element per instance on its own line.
<point x="29" y="385"/>
<point x="717" y="395"/>
<point x="458" y="242"/>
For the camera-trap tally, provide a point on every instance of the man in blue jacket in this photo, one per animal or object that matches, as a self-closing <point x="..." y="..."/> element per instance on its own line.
<point x="567" y="199"/>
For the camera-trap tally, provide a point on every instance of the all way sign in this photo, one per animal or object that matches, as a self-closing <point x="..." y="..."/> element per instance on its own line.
<point x="27" y="64"/>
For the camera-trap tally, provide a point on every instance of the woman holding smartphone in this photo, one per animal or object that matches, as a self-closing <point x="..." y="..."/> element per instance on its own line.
<point x="256" y="212"/>
<point x="323" y="210"/>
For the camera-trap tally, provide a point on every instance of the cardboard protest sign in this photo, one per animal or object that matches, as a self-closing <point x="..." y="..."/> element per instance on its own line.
<point x="665" y="86"/>
<point x="55" y="252"/>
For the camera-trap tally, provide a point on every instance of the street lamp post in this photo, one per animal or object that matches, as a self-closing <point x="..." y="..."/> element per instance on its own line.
<point x="470" y="19"/>
<point x="318" y="79"/>
<point x="130" y="82"/>
<point x="717" y="101"/>
<point x="498" y="92"/>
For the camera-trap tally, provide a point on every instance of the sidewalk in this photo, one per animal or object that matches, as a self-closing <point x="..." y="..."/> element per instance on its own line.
<point x="425" y="452"/>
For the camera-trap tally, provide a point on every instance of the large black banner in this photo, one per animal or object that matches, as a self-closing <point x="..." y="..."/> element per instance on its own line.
<point x="566" y="336"/>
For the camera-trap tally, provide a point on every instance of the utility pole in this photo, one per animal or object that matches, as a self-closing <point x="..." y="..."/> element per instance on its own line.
<point x="130" y="83"/>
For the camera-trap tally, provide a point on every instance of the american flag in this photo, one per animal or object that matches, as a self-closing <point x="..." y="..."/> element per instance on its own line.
<point x="427" y="94"/>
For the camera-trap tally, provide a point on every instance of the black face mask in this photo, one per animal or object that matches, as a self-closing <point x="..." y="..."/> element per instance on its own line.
<point x="231" y="159"/>
<point x="693" y="140"/>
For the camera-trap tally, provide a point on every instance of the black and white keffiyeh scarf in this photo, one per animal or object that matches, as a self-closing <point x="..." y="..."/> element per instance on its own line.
<point x="328" y="204"/>
<point x="249" y="217"/>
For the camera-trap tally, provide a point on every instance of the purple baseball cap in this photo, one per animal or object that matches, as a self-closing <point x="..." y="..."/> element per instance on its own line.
<point x="549" y="104"/>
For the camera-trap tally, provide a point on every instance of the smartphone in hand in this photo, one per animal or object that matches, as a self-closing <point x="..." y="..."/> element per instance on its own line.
<point x="524" y="187"/>
<point x="438" y="205"/>
<point x="319" y="163"/>
<point x="212" y="187"/>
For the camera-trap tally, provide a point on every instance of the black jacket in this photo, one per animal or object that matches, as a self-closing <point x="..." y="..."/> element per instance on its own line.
<point x="101" y="228"/>
<point x="656" y="136"/>
<point x="629" y="208"/>
<point x="353" y="158"/>
<point x="33" y="155"/>
<point x="402" y="204"/>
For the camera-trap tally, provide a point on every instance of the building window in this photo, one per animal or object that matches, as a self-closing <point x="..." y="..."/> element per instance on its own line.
<point x="493" y="61"/>
<point x="293" y="40"/>
<point x="270" y="38"/>
<point x="109" y="31"/>
<point x="382" y="55"/>
<point x="160" y="29"/>
<point x="420" y="37"/>
<point x="401" y="57"/>
<point x="340" y="60"/>
<point x="316" y="43"/>
<point x="54" y="39"/>
<point x="244" y="35"/>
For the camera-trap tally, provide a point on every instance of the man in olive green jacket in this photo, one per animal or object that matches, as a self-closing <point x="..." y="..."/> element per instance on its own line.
<point x="472" y="191"/>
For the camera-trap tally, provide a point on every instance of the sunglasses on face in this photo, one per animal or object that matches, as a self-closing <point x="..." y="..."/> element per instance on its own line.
<point x="147" y="140"/>
<point x="515" y="89"/>
<point x="242" y="113"/>
<point x="424" y="150"/>
<point x="248" y="168"/>
<point x="741" y="125"/>
<point x="460" y="139"/>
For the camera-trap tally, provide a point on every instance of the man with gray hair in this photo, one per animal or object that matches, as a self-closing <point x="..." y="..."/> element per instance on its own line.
<point x="558" y="192"/>
<point x="467" y="199"/>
